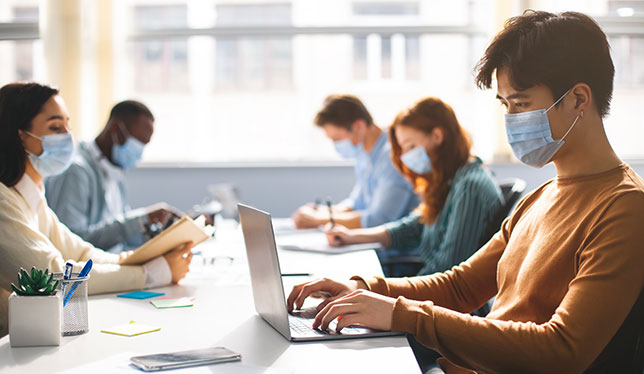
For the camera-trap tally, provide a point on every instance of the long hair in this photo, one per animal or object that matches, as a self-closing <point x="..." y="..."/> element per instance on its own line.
<point x="19" y="104"/>
<point x="452" y="154"/>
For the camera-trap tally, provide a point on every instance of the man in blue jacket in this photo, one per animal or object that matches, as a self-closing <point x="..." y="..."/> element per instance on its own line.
<point x="90" y="196"/>
<point x="380" y="193"/>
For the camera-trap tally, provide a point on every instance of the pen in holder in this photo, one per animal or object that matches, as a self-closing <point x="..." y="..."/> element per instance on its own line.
<point x="75" y="314"/>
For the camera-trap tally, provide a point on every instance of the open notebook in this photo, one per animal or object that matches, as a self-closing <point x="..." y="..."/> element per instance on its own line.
<point x="316" y="241"/>
<point x="184" y="230"/>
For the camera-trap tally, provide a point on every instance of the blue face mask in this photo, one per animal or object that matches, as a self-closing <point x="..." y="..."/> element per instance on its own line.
<point x="129" y="154"/>
<point x="57" y="155"/>
<point x="417" y="160"/>
<point x="346" y="149"/>
<point x="530" y="136"/>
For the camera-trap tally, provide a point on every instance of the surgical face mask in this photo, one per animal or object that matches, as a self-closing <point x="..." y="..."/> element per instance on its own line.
<point x="57" y="154"/>
<point x="417" y="160"/>
<point x="129" y="154"/>
<point x="346" y="149"/>
<point x="530" y="136"/>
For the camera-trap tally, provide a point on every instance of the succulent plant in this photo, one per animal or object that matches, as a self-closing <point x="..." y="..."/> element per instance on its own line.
<point x="39" y="283"/>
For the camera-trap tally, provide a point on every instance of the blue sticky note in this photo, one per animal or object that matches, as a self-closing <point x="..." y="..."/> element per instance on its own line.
<point x="140" y="294"/>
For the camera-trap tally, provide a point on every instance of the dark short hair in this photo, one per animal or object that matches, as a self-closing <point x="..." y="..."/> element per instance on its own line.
<point x="130" y="109"/>
<point x="19" y="104"/>
<point x="556" y="50"/>
<point x="342" y="111"/>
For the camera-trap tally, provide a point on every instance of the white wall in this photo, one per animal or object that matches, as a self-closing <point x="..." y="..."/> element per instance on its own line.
<point x="278" y="190"/>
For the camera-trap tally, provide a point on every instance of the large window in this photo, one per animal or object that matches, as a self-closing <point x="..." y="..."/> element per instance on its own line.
<point x="160" y="65"/>
<point x="20" y="50"/>
<point x="240" y="81"/>
<point x="258" y="72"/>
<point x="396" y="56"/>
<point x="253" y="62"/>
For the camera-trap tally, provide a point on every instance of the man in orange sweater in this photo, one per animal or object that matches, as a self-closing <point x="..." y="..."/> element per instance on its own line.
<point x="567" y="267"/>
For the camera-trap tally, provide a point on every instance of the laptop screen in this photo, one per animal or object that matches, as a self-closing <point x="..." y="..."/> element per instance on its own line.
<point x="265" y="274"/>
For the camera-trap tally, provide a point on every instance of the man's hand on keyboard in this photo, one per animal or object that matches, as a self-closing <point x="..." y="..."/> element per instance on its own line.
<point x="358" y="308"/>
<point x="333" y="288"/>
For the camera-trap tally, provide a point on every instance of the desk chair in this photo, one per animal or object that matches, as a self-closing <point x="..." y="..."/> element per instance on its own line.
<point x="511" y="191"/>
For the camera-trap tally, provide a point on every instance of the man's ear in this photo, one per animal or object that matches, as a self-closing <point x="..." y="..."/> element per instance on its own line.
<point x="114" y="130"/>
<point x="358" y="125"/>
<point x="583" y="96"/>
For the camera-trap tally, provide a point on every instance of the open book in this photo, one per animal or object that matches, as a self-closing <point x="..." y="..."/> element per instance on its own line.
<point x="184" y="230"/>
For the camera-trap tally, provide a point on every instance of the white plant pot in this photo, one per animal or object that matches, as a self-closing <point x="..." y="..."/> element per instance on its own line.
<point x="34" y="320"/>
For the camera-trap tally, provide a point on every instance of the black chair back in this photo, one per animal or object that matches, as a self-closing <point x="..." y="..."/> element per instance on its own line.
<point x="511" y="189"/>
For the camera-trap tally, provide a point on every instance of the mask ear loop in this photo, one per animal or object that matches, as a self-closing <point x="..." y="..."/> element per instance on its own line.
<point x="33" y="136"/>
<point x="580" y="115"/>
<point x="124" y="132"/>
<point x="559" y="99"/>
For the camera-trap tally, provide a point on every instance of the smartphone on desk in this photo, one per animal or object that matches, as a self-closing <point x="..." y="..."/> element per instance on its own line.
<point x="176" y="360"/>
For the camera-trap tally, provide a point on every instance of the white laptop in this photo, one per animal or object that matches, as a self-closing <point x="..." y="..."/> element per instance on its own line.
<point x="268" y="290"/>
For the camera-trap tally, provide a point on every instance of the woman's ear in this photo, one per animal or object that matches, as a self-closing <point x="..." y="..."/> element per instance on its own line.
<point x="22" y="135"/>
<point x="437" y="136"/>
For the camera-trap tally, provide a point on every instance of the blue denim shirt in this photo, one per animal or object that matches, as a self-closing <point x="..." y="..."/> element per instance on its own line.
<point x="78" y="198"/>
<point x="380" y="193"/>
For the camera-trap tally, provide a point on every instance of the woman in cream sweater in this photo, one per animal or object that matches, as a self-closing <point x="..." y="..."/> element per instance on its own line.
<point x="35" y="142"/>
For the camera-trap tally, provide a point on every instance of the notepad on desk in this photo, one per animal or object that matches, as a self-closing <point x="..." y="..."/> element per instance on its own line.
<point x="317" y="242"/>
<point x="184" y="230"/>
<point x="131" y="329"/>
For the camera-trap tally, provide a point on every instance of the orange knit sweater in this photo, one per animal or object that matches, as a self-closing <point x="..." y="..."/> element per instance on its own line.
<point x="567" y="269"/>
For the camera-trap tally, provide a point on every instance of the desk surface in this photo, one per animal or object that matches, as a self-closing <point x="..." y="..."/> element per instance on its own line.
<point x="223" y="315"/>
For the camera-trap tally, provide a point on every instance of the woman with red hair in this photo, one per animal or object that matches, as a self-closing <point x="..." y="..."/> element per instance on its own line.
<point x="459" y="197"/>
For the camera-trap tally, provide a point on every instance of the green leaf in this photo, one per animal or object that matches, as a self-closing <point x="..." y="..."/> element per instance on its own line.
<point x="51" y="278"/>
<point x="17" y="290"/>
<point x="51" y="288"/>
<point x="29" y="290"/>
<point x="43" y="282"/>
<point x="25" y="277"/>
<point x="34" y="275"/>
<point x="48" y="290"/>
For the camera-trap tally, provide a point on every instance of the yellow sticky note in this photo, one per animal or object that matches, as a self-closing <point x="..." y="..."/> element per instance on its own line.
<point x="131" y="329"/>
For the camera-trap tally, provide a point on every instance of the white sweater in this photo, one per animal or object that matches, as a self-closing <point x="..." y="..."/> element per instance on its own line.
<point x="31" y="235"/>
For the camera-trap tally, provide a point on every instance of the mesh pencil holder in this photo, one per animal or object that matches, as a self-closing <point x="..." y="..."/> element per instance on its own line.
<point x="75" y="316"/>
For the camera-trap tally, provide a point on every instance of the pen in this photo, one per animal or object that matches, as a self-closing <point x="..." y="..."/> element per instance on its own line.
<point x="66" y="275"/>
<point x="82" y="274"/>
<point x="68" y="270"/>
<point x="328" y="204"/>
<point x="296" y="274"/>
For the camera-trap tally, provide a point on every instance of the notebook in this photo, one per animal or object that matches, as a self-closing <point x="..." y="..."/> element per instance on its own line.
<point x="184" y="230"/>
<point x="316" y="241"/>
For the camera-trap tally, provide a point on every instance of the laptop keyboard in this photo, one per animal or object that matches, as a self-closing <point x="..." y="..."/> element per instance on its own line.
<point x="301" y="321"/>
<point x="302" y="326"/>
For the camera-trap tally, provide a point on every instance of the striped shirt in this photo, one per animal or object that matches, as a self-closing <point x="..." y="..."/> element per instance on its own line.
<point x="473" y="201"/>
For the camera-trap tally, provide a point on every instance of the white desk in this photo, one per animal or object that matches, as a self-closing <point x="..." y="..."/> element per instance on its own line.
<point x="223" y="315"/>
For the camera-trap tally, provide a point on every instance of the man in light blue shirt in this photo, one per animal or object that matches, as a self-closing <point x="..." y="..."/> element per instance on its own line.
<point x="380" y="194"/>
<point x="90" y="196"/>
